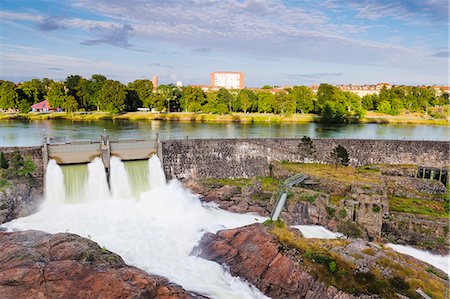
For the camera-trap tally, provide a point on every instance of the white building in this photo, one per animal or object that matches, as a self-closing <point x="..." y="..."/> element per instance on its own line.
<point x="231" y="80"/>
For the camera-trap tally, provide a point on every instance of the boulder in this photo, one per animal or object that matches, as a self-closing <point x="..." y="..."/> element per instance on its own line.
<point x="35" y="264"/>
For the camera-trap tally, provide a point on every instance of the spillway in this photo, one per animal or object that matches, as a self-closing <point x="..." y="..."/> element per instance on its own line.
<point x="152" y="224"/>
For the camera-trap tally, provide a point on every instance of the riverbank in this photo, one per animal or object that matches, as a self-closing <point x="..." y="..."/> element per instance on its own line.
<point x="371" y="117"/>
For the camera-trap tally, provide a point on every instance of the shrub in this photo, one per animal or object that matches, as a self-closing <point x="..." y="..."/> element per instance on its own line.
<point x="27" y="168"/>
<point x="399" y="283"/>
<point x="376" y="209"/>
<point x="330" y="211"/>
<point x="332" y="266"/>
<point x="3" y="162"/>
<point x="343" y="213"/>
<point x="339" y="155"/>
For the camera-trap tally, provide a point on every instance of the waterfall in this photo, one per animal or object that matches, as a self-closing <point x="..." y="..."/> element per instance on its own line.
<point x="118" y="178"/>
<point x="75" y="178"/>
<point x="155" y="231"/>
<point x="157" y="178"/>
<point x="55" y="192"/>
<point x="137" y="172"/>
<point x="97" y="185"/>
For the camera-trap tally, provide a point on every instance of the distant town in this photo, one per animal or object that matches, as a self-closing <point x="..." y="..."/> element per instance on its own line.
<point x="226" y="93"/>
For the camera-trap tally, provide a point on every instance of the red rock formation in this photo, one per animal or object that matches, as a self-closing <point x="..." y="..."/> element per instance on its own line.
<point x="35" y="264"/>
<point x="253" y="254"/>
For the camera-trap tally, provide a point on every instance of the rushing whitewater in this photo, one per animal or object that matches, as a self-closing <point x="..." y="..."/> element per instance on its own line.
<point x="155" y="231"/>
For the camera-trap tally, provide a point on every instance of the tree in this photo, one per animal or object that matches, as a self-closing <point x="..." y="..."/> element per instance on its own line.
<point x="368" y="101"/>
<point x="339" y="156"/>
<point x="56" y="94"/>
<point x="384" y="107"/>
<point x="8" y="95"/>
<point x="139" y="92"/>
<point x="72" y="82"/>
<point x="3" y="162"/>
<point x="265" y="101"/>
<point x="96" y="84"/>
<point x="224" y="97"/>
<point x="192" y="99"/>
<point x="69" y="104"/>
<point x="213" y="104"/>
<point x="247" y="99"/>
<point x="112" y="96"/>
<point x="306" y="148"/>
<point x="34" y="90"/>
<point x="304" y="98"/>
<point x="326" y="92"/>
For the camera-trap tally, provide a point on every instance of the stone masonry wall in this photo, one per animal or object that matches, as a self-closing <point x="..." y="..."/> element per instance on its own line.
<point x="228" y="158"/>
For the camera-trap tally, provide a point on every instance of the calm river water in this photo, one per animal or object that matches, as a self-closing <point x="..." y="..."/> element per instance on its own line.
<point x="20" y="133"/>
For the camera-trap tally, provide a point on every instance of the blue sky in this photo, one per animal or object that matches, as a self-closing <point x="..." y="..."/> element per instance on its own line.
<point x="272" y="41"/>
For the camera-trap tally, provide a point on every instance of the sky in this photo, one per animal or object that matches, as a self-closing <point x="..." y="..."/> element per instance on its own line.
<point x="272" y="42"/>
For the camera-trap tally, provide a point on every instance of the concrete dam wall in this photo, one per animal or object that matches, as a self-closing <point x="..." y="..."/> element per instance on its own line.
<point x="230" y="158"/>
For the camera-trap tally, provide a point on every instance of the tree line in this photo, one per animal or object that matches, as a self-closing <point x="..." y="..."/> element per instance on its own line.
<point x="99" y="93"/>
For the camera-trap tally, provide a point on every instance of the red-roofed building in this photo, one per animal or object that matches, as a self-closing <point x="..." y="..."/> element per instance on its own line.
<point x="44" y="106"/>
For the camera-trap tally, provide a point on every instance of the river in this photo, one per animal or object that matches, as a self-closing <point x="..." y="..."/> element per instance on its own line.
<point x="27" y="133"/>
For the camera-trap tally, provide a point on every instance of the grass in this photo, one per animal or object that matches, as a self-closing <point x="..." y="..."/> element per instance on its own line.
<point x="239" y="182"/>
<point x="414" y="118"/>
<point x="322" y="262"/>
<point x="431" y="208"/>
<point x="344" y="174"/>
<point x="336" y="199"/>
<point x="270" y="184"/>
<point x="371" y="117"/>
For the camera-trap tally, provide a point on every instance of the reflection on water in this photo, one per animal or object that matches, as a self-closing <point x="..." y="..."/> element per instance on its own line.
<point x="16" y="132"/>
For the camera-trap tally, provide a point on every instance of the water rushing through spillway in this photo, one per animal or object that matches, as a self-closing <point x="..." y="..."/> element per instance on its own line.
<point x="154" y="229"/>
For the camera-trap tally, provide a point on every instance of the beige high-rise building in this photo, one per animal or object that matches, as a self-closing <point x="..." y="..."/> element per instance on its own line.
<point x="155" y="82"/>
<point x="231" y="80"/>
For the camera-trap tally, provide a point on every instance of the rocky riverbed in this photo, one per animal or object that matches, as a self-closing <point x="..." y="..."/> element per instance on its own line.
<point x="282" y="264"/>
<point x="374" y="203"/>
<point x="35" y="264"/>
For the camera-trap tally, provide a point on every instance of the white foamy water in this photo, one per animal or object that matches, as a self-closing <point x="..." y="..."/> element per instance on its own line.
<point x="156" y="175"/>
<point x="317" y="231"/>
<point x="55" y="192"/>
<point x="439" y="261"/>
<point x="120" y="185"/>
<point x="97" y="185"/>
<point x="155" y="232"/>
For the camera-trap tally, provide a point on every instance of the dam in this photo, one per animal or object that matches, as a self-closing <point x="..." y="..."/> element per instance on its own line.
<point x="239" y="158"/>
<point x="156" y="228"/>
<point x="82" y="152"/>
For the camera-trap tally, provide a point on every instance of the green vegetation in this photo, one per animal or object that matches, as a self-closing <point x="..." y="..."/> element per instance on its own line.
<point x="339" y="156"/>
<point x="270" y="184"/>
<point x="3" y="162"/>
<point x="424" y="207"/>
<point x="344" y="174"/>
<point x="376" y="209"/>
<point x="97" y="93"/>
<point x="320" y="260"/>
<point x="306" y="148"/>
<point x="343" y="213"/>
<point x="15" y="167"/>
